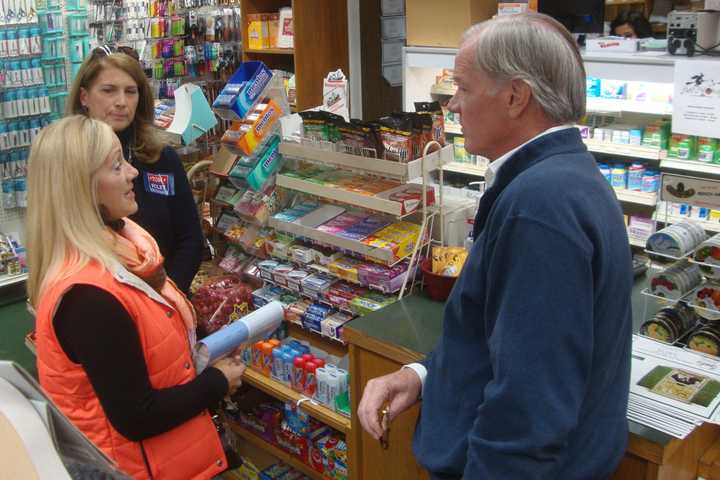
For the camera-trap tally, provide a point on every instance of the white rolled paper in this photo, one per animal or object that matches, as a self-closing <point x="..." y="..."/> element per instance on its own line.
<point x="250" y="328"/>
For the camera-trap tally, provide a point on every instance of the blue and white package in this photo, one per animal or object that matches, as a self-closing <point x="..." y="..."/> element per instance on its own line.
<point x="249" y="328"/>
<point x="592" y="87"/>
<point x="243" y="91"/>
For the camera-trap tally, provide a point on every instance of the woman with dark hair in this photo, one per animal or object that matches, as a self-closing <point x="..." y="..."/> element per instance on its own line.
<point x="111" y="86"/>
<point x="631" y="24"/>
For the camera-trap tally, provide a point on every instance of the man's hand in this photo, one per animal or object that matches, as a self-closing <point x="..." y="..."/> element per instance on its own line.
<point x="400" y="390"/>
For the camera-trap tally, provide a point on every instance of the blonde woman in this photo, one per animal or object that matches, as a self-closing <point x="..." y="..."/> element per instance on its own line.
<point x="113" y="331"/>
<point x="110" y="86"/>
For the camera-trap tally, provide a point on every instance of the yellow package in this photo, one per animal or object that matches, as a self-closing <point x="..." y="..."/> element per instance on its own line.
<point x="257" y="32"/>
<point x="454" y="261"/>
<point x="448" y="261"/>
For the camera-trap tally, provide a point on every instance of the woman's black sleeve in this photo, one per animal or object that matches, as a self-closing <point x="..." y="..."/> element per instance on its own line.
<point x="96" y="331"/>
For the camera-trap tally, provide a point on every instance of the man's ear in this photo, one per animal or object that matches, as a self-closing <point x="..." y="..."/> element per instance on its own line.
<point x="519" y="97"/>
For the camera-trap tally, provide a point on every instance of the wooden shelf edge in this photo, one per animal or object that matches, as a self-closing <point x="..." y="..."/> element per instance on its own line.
<point x="275" y="451"/>
<point x="281" y="392"/>
<point x="271" y="51"/>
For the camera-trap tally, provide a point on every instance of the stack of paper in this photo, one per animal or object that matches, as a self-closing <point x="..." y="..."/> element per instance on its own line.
<point x="672" y="390"/>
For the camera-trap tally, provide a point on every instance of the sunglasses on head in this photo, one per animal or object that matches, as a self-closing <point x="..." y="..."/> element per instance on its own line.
<point x="106" y="50"/>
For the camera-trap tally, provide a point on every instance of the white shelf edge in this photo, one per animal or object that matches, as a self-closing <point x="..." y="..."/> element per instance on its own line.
<point x="636" y="242"/>
<point x="639" y="198"/>
<point x="600" y="105"/>
<point x="344" y="196"/>
<point x="7" y="280"/>
<point x="409" y="170"/>
<point x="636" y="151"/>
<point x="453" y="129"/>
<point x="690" y="166"/>
<point x="709" y="226"/>
<point x="378" y="254"/>
<point x="465" y="168"/>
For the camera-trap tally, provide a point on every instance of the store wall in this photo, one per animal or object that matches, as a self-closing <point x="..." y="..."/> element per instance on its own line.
<point x="378" y="97"/>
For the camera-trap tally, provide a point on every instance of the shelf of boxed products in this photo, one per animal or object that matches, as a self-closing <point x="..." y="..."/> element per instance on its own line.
<point x="690" y="166"/>
<point x="328" y="270"/>
<point x="8" y="280"/>
<point x="614" y="105"/>
<point x="453" y="128"/>
<point x="276" y="452"/>
<point x="375" y="202"/>
<point x="635" y="151"/>
<point x="385" y="256"/>
<point x="377" y="166"/>
<point x="465" y="168"/>
<point x="636" y="242"/>
<point x="283" y="392"/>
<point x="638" y="198"/>
<point x="707" y="225"/>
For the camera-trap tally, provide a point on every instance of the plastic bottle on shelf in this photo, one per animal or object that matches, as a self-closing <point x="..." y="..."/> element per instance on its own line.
<point x="619" y="176"/>
<point x="650" y="181"/>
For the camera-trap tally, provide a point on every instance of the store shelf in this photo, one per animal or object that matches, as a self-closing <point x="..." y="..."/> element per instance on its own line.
<point x="636" y="242"/>
<point x="369" y="202"/>
<point x="377" y="166"/>
<point x="708" y="226"/>
<point x="610" y="105"/>
<point x="380" y="255"/>
<point x="7" y="280"/>
<point x="271" y="51"/>
<point x="690" y="166"/>
<point x="448" y="90"/>
<point x="453" y="129"/>
<point x="635" y="151"/>
<point x="282" y="392"/>
<point x="658" y="67"/>
<point x="276" y="452"/>
<point x="465" y="168"/>
<point x="638" y="198"/>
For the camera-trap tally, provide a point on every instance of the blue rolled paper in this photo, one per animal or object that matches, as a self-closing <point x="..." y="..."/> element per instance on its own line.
<point x="250" y="328"/>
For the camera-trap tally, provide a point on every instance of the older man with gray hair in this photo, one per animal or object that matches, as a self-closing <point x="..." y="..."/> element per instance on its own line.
<point x="530" y="377"/>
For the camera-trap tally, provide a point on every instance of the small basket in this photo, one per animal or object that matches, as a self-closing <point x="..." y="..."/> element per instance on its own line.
<point x="438" y="287"/>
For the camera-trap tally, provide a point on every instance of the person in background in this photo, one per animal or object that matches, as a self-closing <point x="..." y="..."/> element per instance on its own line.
<point x="113" y="334"/>
<point x="531" y="374"/>
<point x="631" y="24"/>
<point x="112" y="87"/>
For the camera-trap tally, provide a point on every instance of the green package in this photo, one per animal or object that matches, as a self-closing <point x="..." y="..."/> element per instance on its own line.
<point x="706" y="149"/>
<point x="683" y="146"/>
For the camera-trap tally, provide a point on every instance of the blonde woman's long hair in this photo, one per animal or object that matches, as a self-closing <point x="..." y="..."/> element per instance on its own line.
<point x="64" y="226"/>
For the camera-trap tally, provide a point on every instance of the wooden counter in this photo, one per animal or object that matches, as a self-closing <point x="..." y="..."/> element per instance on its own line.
<point x="408" y="330"/>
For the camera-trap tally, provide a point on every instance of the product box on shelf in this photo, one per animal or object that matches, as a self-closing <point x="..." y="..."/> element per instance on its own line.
<point x="409" y="196"/>
<point x="612" y="44"/>
<point x="244" y="137"/>
<point x="683" y="146"/>
<point x="269" y="162"/>
<point x="242" y="91"/>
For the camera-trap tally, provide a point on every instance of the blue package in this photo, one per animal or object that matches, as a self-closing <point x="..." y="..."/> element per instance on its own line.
<point x="592" y="87"/>
<point x="242" y="91"/>
<point x="615" y="89"/>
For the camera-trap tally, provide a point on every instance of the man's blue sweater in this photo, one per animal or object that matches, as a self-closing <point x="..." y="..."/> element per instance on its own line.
<point x="530" y="378"/>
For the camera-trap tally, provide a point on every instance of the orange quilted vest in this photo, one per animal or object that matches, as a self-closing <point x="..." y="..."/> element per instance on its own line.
<point x="190" y="451"/>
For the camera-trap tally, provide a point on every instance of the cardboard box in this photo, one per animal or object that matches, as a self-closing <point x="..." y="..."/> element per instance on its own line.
<point x="433" y="24"/>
